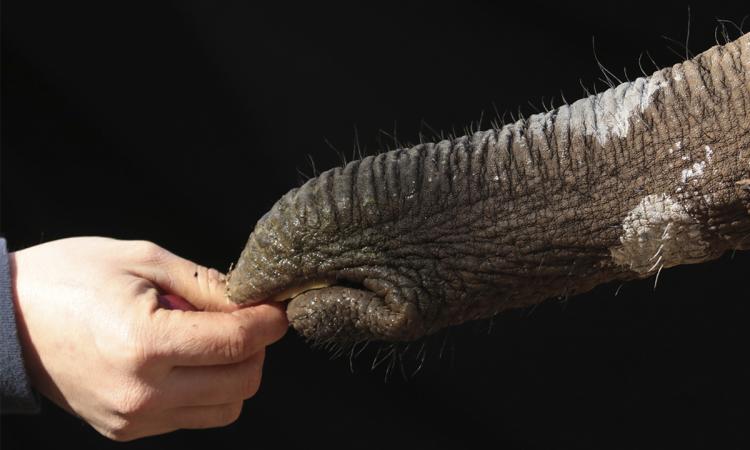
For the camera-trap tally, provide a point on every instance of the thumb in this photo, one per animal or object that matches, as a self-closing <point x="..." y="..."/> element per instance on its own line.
<point x="203" y="287"/>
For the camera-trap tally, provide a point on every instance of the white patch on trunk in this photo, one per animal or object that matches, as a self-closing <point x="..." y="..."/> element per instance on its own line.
<point x="696" y="171"/>
<point x="609" y="114"/>
<point x="709" y="154"/>
<point x="659" y="232"/>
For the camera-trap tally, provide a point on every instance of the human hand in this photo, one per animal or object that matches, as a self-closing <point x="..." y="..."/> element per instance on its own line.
<point x="97" y="342"/>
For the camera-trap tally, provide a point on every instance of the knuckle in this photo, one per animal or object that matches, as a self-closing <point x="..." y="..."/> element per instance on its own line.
<point x="215" y="280"/>
<point x="211" y="281"/>
<point x="214" y="276"/>
<point x="132" y="401"/>
<point x="236" y="346"/>
<point x="129" y="347"/>
<point x="149" y="252"/>
<point x="137" y="354"/>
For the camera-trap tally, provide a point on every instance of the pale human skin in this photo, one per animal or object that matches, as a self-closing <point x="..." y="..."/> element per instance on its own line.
<point x="98" y="342"/>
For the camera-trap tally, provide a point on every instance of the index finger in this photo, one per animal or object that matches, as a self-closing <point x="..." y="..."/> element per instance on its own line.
<point x="200" y="338"/>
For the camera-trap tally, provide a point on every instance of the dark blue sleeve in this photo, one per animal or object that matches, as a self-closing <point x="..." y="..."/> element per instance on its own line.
<point x="17" y="395"/>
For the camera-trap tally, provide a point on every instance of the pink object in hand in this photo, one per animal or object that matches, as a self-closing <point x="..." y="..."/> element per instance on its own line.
<point x="171" y="301"/>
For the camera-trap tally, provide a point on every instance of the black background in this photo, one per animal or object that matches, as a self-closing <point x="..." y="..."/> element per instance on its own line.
<point x="182" y="123"/>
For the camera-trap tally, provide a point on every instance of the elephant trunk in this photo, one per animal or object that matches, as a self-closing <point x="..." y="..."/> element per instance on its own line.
<point x="648" y="174"/>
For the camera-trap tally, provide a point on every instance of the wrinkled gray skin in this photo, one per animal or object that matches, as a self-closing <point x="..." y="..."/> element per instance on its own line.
<point x="649" y="174"/>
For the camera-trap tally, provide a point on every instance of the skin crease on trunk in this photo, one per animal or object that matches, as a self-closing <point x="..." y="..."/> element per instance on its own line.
<point x="647" y="175"/>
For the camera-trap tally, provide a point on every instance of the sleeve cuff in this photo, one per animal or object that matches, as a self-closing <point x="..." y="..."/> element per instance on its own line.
<point x="17" y="395"/>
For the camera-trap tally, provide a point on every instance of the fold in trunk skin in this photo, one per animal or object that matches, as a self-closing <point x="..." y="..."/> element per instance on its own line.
<point x="647" y="175"/>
